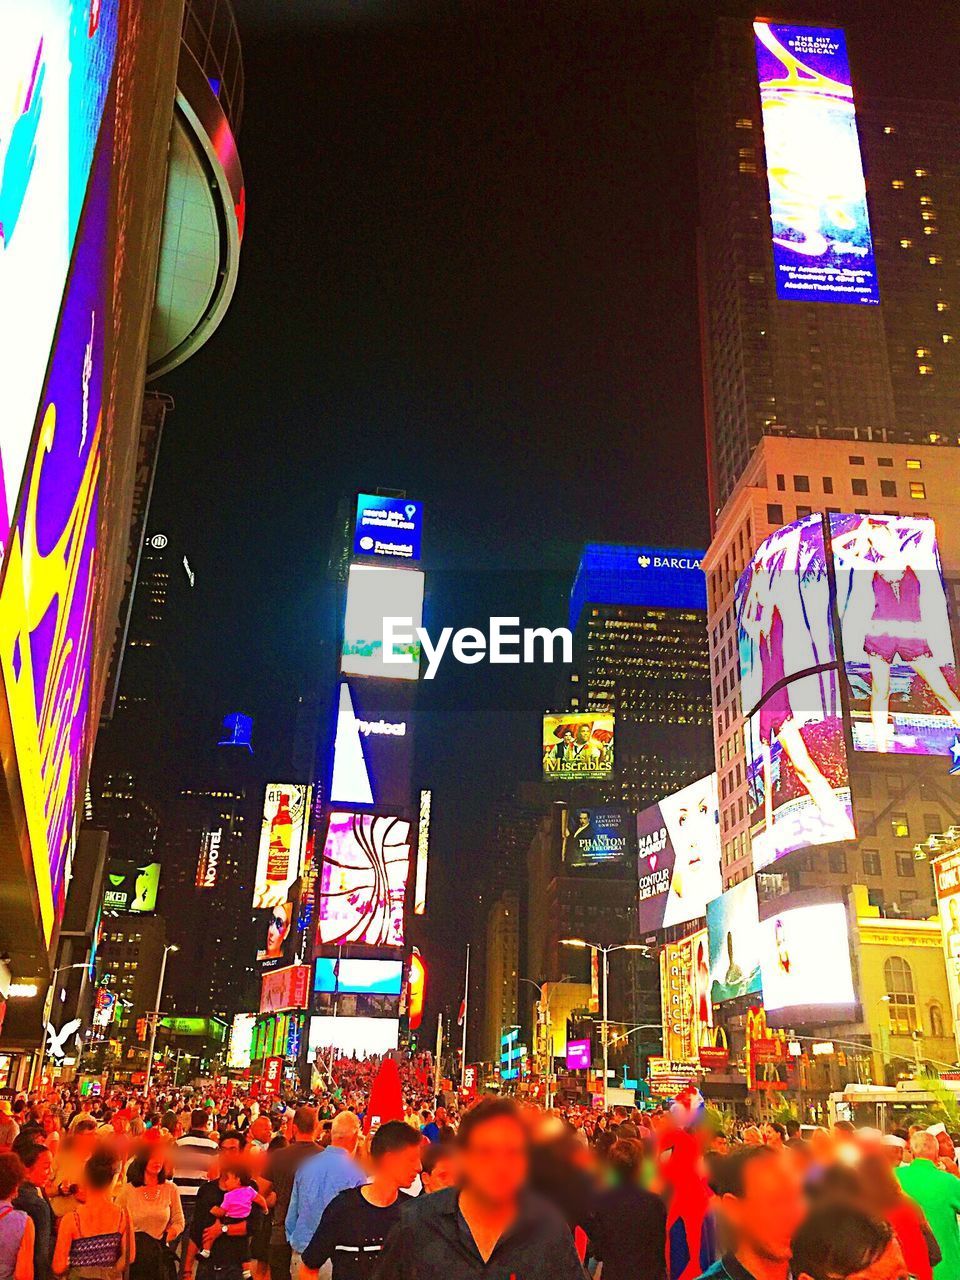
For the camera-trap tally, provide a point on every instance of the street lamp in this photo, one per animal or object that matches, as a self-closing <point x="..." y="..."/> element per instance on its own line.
<point x="45" y="1016"/>
<point x="171" y="946"/>
<point x="605" y="952"/>
<point x="545" y="1005"/>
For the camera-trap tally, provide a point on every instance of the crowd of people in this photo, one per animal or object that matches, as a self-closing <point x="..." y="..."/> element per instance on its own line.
<point x="201" y="1187"/>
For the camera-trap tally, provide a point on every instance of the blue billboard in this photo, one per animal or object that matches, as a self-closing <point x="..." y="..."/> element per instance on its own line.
<point x="822" y="247"/>
<point x="651" y="577"/>
<point x="387" y="527"/>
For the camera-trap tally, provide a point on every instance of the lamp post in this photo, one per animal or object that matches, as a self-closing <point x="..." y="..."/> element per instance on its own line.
<point x="171" y="946"/>
<point x="545" y="1004"/>
<point x="45" y="1016"/>
<point x="605" y="952"/>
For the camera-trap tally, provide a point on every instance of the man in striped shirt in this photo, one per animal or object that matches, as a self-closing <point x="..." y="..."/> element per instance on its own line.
<point x="192" y="1157"/>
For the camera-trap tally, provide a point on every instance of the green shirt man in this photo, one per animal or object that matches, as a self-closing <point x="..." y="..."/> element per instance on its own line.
<point x="938" y="1195"/>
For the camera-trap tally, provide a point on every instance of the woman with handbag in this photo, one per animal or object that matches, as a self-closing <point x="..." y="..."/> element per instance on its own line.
<point x="152" y="1201"/>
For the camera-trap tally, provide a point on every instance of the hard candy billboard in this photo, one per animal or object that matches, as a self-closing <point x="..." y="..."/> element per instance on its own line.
<point x="822" y="246"/>
<point x="678" y="856"/>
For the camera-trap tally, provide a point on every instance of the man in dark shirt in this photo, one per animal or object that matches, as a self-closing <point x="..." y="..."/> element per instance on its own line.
<point x="492" y="1225"/>
<point x="31" y="1198"/>
<point x="356" y="1223"/>
<point x="228" y="1245"/>
<point x="762" y="1204"/>
<point x="278" y="1175"/>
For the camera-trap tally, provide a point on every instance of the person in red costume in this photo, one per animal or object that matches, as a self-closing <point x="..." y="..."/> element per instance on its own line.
<point x="691" y="1237"/>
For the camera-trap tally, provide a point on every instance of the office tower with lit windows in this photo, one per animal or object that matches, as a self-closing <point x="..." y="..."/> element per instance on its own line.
<point x="638" y="615"/>
<point x="882" y="374"/>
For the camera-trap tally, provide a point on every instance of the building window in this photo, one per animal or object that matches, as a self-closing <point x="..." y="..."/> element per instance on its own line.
<point x="801" y="484"/>
<point x="917" y="489"/>
<point x="775" y="512"/>
<point x="871" y="863"/>
<point x="901" y="1000"/>
<point x="899" y="826"/>
<point x="934" y="259"/>
<point x="781" y="482"/>
<point x="884" y="462"/>
<point x="888" y="488"/>
<point x="803" y="512"/>
<point x="858" y="487"/>
<point x="906" y="243"/>
<point x="914" y="464"/>
<point x="906" y="867"/>
<point x="855" y="460"/>
<point x="932" y="824"/>
<point x="837" y="860"/>
<point x="828" y="484"/>
<point x="898" y="184"/>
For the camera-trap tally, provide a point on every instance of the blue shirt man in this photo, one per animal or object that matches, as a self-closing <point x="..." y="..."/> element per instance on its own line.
<point x="321" y="1178"/>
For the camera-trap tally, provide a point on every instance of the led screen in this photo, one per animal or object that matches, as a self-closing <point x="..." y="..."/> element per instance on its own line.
<point x="423" y="855"/>
<point x="56" y="60"/>
<point x="897" y="649"/>
<point x="946" y="872"/>
<point x="685" y="1005"/>
<point x="678" y="856"/>
<point x="276" y="936"/>
<point x="734" y="933"/>
<point x="47" y="597"/>
<point x="358" y="977"/>
<point x="596" y="838"/>
<point x="286" y="806"/>
<point x="372" y="595"/>
<point x="363" y="880"/>
<point x="373" y="745"/>
<point x="822" y="247"/>
<point x="352" y="1037"/>
<point x="387" y="527"/>
<point x="578" y="1055"/>
<point x="241" y="1041"/>
<point x="129" y="887"/>
<point x="805" y="961"/>
<point x="578" y="746"/>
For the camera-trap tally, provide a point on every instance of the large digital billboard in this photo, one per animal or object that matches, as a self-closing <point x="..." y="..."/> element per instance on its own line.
<point x="131" y="886"/>
<point x="56" y="61"/>
<point x="363" y="880"/>
<point x="283" y="828"/>
<point x="805" y="967"/>
<point x="733" y="926"/>
<point x="578" y="746"/>
<point x="387" y="527"/>
<point x="595" y="838"/>
<point x="895" y="633"/>
<point x="678" y="856"/>
<point x="241" y="1041"/>
<point x="822" y="246"/>
<point x="357" y="977"/>
<point x="47" y="595"/>
<point x="374" y="594"/>
<point x="797" y="772"/>
<point x="946" y="875"/>
<point x="373" y="745"/>
<point x="685" y="1005"/>
<point x="352" y="1037"/>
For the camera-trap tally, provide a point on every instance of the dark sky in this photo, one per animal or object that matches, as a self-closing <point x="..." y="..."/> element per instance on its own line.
<point x="468" y="272"/>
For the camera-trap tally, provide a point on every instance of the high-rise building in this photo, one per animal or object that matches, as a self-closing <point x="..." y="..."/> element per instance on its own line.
<point x="501" y="1000"/>
<point x="640" y="650"/>
<point x="787" y="367"/>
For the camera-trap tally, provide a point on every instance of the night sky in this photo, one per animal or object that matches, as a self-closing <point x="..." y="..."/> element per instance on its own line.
<point x="468" y="272"/>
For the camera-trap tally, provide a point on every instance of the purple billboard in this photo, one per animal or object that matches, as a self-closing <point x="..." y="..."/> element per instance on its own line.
<point x="822" y="247"/>
<point x="578" y="1055"/>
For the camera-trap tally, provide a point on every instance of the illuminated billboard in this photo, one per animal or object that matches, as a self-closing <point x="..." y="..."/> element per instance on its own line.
<point x="678" y="856"/>
<point x="423" y="855"/>
<point x="578" y="746"/>
<point x="363" y="880"/>
<point x="685" y="1005"/>
<point x="946" y="875"/>
<point x="276" y="940"/>
<point x="595" y="838"/>
<point x="358" y="977"/>
<point x="578" y="1055"/>
<point x="286" y="808"/>
<point x="131" y="887"/>
<point x="372" y="595"/>
<point x="805" y="963"/>
<point x="352" y="1037"/>
<point x="208" y="862"/>
<point x="895" y="633"/>
<point x="285" y="988"/>
<point x="822" y="246"/>
<point x="47" y="593"/>
<point x="56" y="60"/>
<point x="733" y="926"/>
<point x="241" y="1041"/>
<point x="387" y="527"/>
<point x="373" y="745"/>
<point x="416" y="989"/>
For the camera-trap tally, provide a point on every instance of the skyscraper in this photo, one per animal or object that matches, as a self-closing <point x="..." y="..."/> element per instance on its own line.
<point x="888" y="373"/>
<point x="640" y="649"/>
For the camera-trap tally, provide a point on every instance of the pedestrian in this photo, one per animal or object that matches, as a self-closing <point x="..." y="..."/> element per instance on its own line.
<point x="69" y="1162"/>
<point x="193" y="1155"/>
<point x="9" y="1128"/>
<point x="356" y="1223"/>
<point x="218" y="1250"/>
<point x="152" y="1199"/>
<point x="318" y="1180"/>
<point x="938" y="1195"/>
<point x="842" y="1242"/>
<point x="439" y="1166"/>
<point x="629" y="1228"/>
<point x="277" y="1181"/>
<point x="761" y="1206"/>
<point x="883" y="1197"/>
<point x="491" y="1224"/>
<point x="32" y="1199"/>
<point x="17" y="1235"/>
<point x="95" y="1241"/>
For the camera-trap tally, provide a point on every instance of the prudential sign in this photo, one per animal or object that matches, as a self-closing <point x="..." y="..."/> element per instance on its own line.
<point x="387" y="527"/>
